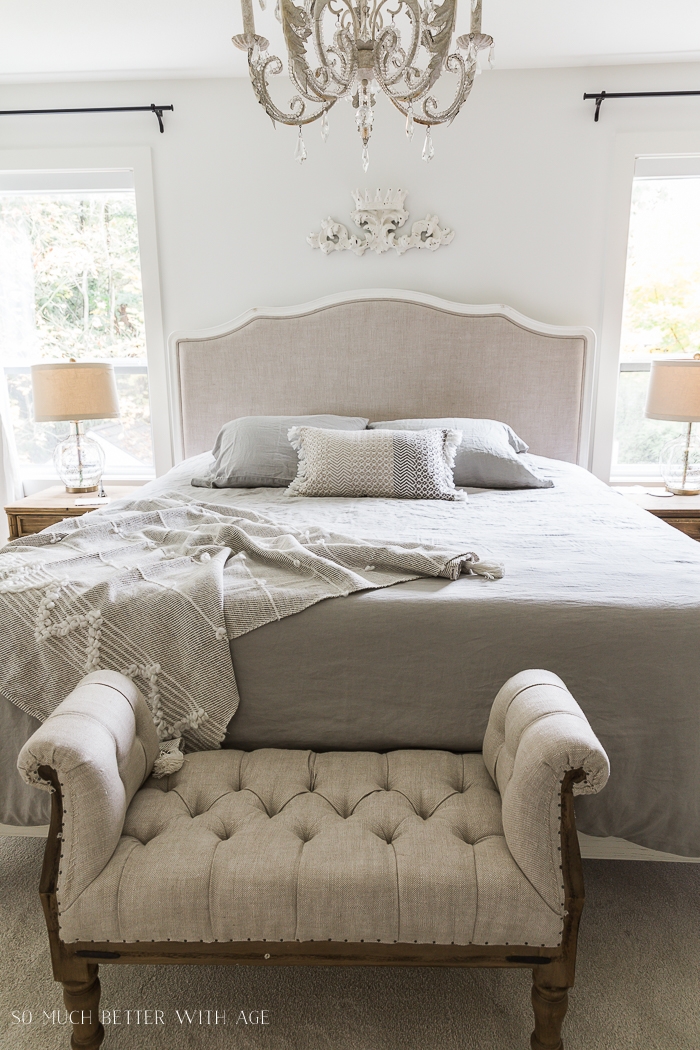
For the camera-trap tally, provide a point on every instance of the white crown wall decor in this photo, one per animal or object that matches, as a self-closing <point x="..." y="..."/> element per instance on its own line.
<point x="379" y="218"/>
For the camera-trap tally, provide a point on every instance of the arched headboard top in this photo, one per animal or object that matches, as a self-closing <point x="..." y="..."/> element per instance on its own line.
<point x="387" y="354"/>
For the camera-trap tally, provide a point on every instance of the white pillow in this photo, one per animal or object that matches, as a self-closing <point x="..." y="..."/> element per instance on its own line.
<point x="397" y="464"/>
<point x="490" y="454"/>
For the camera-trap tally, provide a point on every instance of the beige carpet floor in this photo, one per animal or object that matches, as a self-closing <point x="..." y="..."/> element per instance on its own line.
<point x="638" y="985"/>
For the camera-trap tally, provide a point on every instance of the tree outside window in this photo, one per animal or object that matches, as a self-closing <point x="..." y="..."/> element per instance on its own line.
<point x="661" y="311"/>
<point x="70" y="287"/>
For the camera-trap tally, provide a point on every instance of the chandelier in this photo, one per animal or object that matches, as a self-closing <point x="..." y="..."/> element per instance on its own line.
<point x="350" y="49"/>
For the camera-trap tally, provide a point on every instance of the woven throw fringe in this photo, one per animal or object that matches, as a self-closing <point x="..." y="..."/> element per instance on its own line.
<point x="170" y="758"/>
<point x="473" y="565"/>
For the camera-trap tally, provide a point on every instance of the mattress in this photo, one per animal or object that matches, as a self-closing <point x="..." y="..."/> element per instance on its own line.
<point x="596" y="590"/>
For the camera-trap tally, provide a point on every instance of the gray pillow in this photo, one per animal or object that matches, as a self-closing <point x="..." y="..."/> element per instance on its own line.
<point x="254" y="451"/>
<point x="399" y="464"/>
<point x="489" y="455"/>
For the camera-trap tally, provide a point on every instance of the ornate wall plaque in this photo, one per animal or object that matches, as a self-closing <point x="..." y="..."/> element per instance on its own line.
<point x="379" y="219"/>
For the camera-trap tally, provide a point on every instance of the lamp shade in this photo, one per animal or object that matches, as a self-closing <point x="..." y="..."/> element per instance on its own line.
<point x="74" y="390"/>
<point x="674" y="391"/>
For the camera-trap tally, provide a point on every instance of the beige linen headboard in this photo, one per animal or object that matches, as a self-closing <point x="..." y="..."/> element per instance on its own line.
<point x="386" y="355"/>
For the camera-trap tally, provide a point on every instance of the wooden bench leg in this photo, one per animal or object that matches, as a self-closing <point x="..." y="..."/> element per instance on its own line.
<point x="82" y="999"/>
<point x="550" y="1005"/>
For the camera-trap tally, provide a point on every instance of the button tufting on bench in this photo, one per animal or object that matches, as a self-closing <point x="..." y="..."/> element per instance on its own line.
<point x="406" y="846"/>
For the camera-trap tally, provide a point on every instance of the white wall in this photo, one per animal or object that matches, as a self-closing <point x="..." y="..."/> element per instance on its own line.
<point x="523" y="176"/>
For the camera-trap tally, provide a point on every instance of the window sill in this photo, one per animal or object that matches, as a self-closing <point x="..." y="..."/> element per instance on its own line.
<point x="624" y="480"/>
<point x="33" y="483"/>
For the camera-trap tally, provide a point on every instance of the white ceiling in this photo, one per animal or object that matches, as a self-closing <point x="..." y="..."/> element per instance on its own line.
<point x="69" y="39"/>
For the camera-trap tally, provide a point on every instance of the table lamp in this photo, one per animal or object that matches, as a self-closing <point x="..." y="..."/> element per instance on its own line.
<point x="73" y="391"/>
<point x="674" y="393"/>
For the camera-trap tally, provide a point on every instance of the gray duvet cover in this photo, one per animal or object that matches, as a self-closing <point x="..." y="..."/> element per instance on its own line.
<point x="595" y="589"/>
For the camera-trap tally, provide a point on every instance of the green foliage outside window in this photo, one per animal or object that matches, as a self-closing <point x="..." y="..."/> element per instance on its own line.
<point x="81" y="254"/>
<point x="661" y="309"/>
<point x="87" y="273"/>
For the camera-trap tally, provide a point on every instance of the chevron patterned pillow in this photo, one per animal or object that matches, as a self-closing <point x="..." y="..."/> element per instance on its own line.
<point x="398" y="464"/>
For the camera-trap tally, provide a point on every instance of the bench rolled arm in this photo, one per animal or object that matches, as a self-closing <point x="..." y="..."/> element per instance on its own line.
<point x="101" y="743"/>
<point x="537" y="733"/>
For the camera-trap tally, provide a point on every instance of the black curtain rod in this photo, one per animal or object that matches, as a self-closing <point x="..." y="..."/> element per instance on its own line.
<point x="157" y="110"/>
<point x="600" y="96"/>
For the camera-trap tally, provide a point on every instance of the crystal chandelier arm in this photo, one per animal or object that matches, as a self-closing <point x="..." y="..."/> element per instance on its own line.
<point x="408" y="84"/>
<point x="334" y="82"/>
<point x="296" y="29"/>
<point x="388" y="43"/>
<point x="324" y="84"/>
<point x="436" y="39"/>
<point x="296" y="115"/>
<point x="429" y="115"/>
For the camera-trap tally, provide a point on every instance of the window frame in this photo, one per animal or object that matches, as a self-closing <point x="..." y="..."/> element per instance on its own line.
<point x="138" y="161"/>
<point x="633" y="152"/>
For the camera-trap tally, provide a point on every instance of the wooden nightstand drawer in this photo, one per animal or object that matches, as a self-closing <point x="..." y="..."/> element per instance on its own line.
<point x="30" y="522"/>
<point x="690" y="526"/>
<point x="31" y="515"/>
<point x="682" y="512"/>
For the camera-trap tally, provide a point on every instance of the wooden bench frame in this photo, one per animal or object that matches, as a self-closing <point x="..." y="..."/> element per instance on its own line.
<point x="76" y="964"/>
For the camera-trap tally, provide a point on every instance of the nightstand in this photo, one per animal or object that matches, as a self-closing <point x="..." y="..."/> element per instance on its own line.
<point x="35" y="513"/>
<point x="683" y="512"/>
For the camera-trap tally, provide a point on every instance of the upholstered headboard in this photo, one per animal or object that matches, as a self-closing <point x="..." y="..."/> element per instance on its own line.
<point x="387" y="355"/>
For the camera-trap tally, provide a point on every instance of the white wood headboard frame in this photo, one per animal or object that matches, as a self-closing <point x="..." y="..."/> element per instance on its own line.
<point x="218" y="373"/>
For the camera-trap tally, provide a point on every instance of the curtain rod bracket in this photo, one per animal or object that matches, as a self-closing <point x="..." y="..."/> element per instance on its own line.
<point x="158" y="110"/>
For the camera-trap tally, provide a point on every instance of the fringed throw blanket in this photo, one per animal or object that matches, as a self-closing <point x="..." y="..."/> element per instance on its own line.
<point x="157" y="588"/>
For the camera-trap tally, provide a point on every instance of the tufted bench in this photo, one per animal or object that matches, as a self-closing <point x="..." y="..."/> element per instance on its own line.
<point x="273" y="856"/>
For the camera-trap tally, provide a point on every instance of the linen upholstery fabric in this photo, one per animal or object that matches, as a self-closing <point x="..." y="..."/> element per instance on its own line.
<point x="408" y="464"/>
<point x="291" y="845"/>
<point x="487" y="455"/>
<point x="255" y="450"/>
<point x="385" y="359"/>
<point x="102" y="742"/>
<point x="536" y="732"/>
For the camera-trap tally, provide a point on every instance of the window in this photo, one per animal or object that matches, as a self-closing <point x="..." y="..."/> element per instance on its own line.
<point x="70" y="287"/>
<point x="661" y="303"/>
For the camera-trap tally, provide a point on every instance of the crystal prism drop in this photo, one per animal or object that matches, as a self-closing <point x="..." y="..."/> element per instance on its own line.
<point x="365" y="158"/>
<point x="324" y="126"/>
<point x="300" y="150"/>
<point x="428" y="148"/>
<point x="492" y="57"/>
<point x="409" y="122"/>
<point x="278" y="12"/>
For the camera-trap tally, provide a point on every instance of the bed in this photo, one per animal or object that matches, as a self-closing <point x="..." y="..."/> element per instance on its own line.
<point x="596" y="590"/>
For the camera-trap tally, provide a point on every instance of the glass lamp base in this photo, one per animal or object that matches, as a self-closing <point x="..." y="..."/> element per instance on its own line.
<point x="680" y="466"/>
<point x="79" y="461"/>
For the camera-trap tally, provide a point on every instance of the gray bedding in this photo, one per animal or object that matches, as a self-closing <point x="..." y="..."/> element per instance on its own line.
<point x="595" y="589"/>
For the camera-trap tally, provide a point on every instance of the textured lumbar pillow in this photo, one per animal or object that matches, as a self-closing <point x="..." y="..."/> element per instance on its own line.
<point x="399" y="464"/>
<point x="490" y="454"/>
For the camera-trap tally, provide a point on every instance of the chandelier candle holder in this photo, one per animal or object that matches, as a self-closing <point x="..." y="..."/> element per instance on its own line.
<point x="352" y="49"/>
